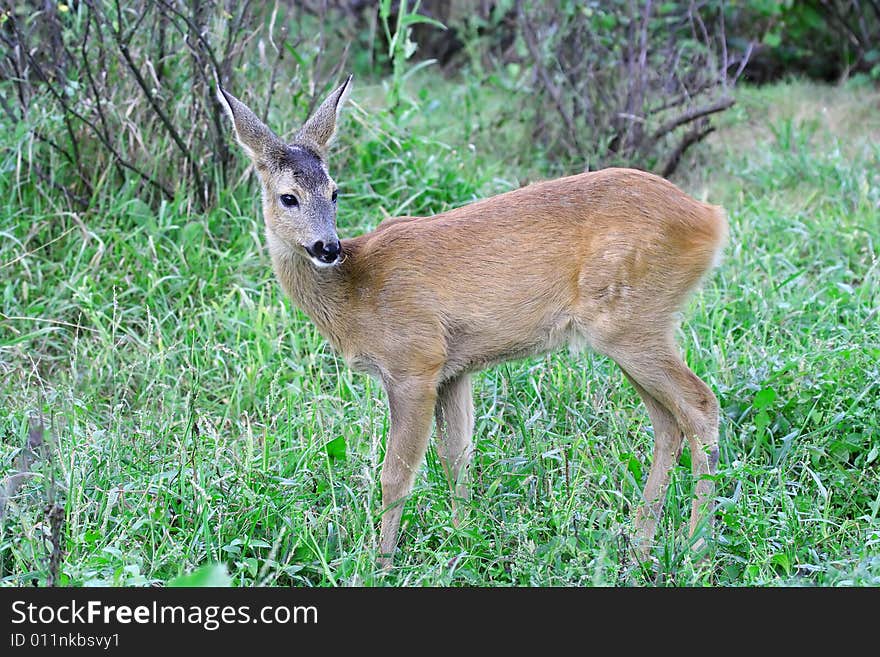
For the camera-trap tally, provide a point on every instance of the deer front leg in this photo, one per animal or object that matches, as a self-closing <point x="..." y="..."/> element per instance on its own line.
<point x="411" y="403"/>
<point x="455" y="428"/>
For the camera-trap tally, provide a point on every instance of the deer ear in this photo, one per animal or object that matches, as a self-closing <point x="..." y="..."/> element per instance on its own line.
<point x="320" y="129"/>
<point x="258" y="141"/>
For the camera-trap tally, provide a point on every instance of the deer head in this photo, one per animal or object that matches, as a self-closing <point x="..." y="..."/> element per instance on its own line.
<point x="299" y="196"/>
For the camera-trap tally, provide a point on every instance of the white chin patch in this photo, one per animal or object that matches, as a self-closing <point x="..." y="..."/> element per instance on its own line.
<point x="322" y="264"/>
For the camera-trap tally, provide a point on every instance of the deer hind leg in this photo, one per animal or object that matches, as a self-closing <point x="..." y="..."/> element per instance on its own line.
<point x="662" y="374"/>
<point x="455" y="428"/>
<point x="411" y="404"/>
<point x="668" y="441"/>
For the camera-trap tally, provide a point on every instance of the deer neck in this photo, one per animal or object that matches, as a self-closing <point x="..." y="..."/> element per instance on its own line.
<point x="320" y="292"/>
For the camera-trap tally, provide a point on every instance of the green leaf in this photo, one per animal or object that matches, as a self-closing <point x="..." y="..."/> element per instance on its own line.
<point x="336" y="448"/>
<point x="762" y="421"/>
<point x="212" y="574"/>
<point x="772" y="39"/>
<point x="632" y="464"/>
<point x="412" y="19"/>
<point x="781" y="559"/>
<point x="296" y="55"/>
<point x="607" y="21"/>
<point x="764" y="399"/>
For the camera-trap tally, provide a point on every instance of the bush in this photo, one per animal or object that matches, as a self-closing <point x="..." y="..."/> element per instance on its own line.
<point x="615" y="83"/>
<point x="112" y="93"/>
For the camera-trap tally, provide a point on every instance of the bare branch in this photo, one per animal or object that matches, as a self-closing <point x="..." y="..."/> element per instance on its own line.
<point x="743" y="61"/>
<point x="316" y="90"/>
<point x="194" y="30"/>
<point x="682" y="98"/>
<point x="833" y="10"/>
<point x="279" y="55"/>
<point x="572" y="146"/>
<point x="172" y="131"/>
<point x="79" y="201"/>
<point x="68" y="109"/>
<point x="637" y="79"/>
<point x="697" y="134"/>
<point x="230" y="37"/>
<point x="688" y="117"/>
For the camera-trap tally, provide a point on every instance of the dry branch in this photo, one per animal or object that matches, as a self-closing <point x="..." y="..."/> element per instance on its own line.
<point x="555" y="94"/>
<point x="695" y="135"/>
<point x="689" y="117"/>
<point x="640" y="75"/>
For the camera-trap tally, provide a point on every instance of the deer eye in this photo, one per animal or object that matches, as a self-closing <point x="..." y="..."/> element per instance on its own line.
<point x="334" y="195"/>
<point x="289" y="201"/>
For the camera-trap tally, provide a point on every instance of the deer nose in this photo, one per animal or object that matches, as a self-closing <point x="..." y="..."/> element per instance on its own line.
<point x="325" y="251"/>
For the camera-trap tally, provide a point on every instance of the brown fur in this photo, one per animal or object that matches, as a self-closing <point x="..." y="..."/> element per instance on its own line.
<point x="601" y="260"/>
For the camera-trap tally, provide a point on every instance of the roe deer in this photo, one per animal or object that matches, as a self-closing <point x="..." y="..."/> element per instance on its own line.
<point x="603" y="260"/>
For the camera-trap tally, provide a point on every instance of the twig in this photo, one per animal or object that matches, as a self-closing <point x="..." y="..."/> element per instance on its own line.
<point x="685" y="96"/>
<point x="637" y="70"/>
<point x="743" y="61"/>
<point x="80" y="201"/>
<point x="724" y="57"/>
<point x="340" y="63"/>
<point x="41" y="75"/>
<point x="16" y="47"/>
<point x="221" y="70"/>
<point x="316" y="67"/>
<point x="41" y="137"/>
<point x="572" y="146"/>
<point x="194" y="29"/>
<point x="693" y="136"/>
<point x="88" y="68"/>
<point x="840" y="19"/>
<point x="230" y="39"/>
<point x="169" y="126"/>
<point x="279" y="55"/>
<point x="688" y="117"/>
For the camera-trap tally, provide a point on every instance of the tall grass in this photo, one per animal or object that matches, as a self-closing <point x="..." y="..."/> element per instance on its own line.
<point x="197" y="417"/>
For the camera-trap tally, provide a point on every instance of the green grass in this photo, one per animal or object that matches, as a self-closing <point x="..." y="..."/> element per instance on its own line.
<point x="198" y="417"/>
